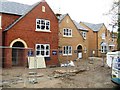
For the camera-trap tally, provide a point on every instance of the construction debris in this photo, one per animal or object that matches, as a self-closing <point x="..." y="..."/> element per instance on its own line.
<point x="71" y="63"/>
<point x="64" y="73"/>
<point x="76" y="71"/>
<point x="83" y="75"/>
<point x="32" y="77"/>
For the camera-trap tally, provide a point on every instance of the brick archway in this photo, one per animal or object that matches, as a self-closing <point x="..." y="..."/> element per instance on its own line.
<point x="19" y="40"/>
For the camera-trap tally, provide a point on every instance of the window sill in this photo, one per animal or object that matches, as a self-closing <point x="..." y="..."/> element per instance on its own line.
<point x="67" y="54"/>
<point x="67" y="36"/>
<point x="42" y="56"/>
<point x="42" y="30"/>
<point x="103" y="52"/>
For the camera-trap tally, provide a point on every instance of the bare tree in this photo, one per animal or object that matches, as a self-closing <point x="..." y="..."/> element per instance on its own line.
<point x="115" y="12"/>
<point x="118" y="39"/>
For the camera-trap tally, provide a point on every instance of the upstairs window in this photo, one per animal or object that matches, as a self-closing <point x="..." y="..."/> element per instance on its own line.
<point x="42" y="25"/>
<point x="67" y="32"/>
<point x="84" y="35"/>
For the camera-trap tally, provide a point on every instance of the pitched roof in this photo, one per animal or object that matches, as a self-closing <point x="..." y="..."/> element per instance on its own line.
<point x="62" y="17"/>
<point x="13" y="7"/>
<point x="79" y="26"/>
<point x="27" y="11"/>
<point x="94" y="27"/>
<point x="76" y="24"/>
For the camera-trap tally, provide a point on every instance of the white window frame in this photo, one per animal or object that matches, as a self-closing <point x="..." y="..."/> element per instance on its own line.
<point x="103" y="49"/>
<point x="67" y="50"/>
<point x="67" y="32"/>
<point x="44" y="25"/>
<point x="45" y="50"/>
<point x="84" y="34"/>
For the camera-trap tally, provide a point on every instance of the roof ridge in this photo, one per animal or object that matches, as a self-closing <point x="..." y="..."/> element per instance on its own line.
<point x="62" y="16"/>
<point x="92" y="23"/>
<point x="94" y="27"/>
<point x="79" y="26"/>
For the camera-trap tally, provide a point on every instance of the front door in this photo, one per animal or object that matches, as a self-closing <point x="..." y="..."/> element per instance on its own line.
<point x="17" y="53"/>
<point x="79" y="50"/>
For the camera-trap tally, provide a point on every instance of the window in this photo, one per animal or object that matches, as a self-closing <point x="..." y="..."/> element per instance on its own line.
<point x="84" y="35"/>
<point x="43" y="8"/>
<point x="42" y="25"/>
<point x="67" y="32"/>
<point x="67" y="50"/>
<point x="103" y="49"/>
<point x="43" y="49"/>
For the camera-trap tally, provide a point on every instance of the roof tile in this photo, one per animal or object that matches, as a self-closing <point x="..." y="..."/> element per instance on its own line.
<point x="13" y="7"/>
<point x="94" y="27"/>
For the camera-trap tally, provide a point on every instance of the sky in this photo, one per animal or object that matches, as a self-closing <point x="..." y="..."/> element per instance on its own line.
<point x="91" y="11"/>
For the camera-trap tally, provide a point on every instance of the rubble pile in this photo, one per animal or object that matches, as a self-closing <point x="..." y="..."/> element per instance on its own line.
<point x="66" y="73"/>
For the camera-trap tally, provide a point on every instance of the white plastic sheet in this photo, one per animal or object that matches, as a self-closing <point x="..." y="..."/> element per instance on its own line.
<point x="71" y="63"/>
<point x="36" y="62"/>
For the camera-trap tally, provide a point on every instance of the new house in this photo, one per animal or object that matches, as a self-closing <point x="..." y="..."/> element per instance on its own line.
<point x="99" y="39"/>
<point x="28" y="26"/>
<point x="73" y="39"/>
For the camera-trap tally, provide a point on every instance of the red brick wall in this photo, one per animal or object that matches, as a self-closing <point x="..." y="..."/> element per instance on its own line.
<point x="25" y="30"/>
<point x="8" y="19"/>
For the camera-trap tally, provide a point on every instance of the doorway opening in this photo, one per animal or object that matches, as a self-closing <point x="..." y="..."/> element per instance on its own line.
<point x="79" y="51"/>
<point x="17" y="53"/>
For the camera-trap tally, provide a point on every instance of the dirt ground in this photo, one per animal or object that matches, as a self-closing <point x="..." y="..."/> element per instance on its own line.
<point x="85" y="74"/>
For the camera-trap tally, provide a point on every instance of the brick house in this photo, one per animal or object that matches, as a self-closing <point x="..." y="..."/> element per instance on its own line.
<point x="112" y="40"/>
<point x="98" y="38"/>
<point x="25" y="26"/>
<point x="72" y="42"/>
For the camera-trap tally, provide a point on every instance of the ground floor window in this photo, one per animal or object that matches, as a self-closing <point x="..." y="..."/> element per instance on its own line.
<point x="43" y="50"/>
<point x="67" y="50"/>
<point x="103" y="49"/>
